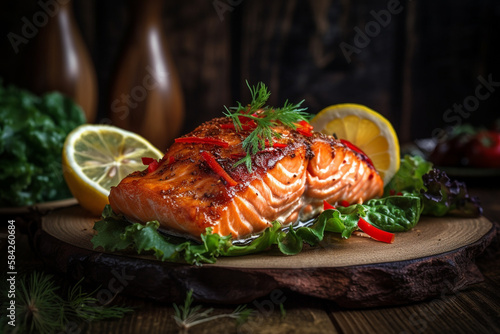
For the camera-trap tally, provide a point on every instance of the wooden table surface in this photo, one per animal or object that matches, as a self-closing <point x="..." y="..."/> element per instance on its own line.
<point x="473" y="310"/>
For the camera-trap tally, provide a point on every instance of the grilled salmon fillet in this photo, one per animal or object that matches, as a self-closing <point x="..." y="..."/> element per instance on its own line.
<point x="289" y="182"/>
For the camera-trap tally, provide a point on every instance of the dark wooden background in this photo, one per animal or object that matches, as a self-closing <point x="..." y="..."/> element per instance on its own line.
<point x="427" y="59"/>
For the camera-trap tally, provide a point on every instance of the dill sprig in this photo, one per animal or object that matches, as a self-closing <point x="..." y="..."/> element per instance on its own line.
<point x="187" y="316"/>
<point x="41" y="308"/>
<point x="39" y="304"/>
<point x="266" y="118"/>
<point x="81" y="305"/>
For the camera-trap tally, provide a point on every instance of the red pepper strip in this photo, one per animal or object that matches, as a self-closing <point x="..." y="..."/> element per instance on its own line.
<point x="392" y="192"/>
<point x="244" y="119"/>
<point x="205" y="140"/>
<point x="327" y="206"/>
<point x="278" y="145"/>
<point x="247" y="120"/>
<point x="356" y="149"/>
<point x="344" y="203"/>
<point x="304" y="124"/>
<point x="153" y="166"/>
<point x="227" y="126"/>
<point x="249" y="125"/>
<point x="304" y="128"/>
<point x="214" y="165"/>
<point x="147" y="160"/>
<point x="303" y="132"/>
<point x="171" y="159"/>
<point x="375" y="232"/>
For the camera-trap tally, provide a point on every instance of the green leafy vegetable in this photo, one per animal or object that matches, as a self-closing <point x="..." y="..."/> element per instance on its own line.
<point x="115" y="233"/>
<point x="32" y="133"/>
<point x="265" y="118"/>
<point x="409" y="175"/>
<point x="396" y="213"/>
<point x="438" y="194"/>
<point x="266" y="239"/>
<point x="444" y="196"/>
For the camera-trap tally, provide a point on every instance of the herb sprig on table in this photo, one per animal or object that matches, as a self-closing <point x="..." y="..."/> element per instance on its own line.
<point x="187" y="315"/>
<point x="42" y="306"/>
<point x="263" y="119"/>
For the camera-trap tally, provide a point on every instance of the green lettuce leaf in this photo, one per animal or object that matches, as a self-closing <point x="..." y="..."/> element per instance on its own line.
<point x="114" y="233"/>
<point x="409" y="176"/>
<point x="263" y="242"/>
<point x="394" y="213"/>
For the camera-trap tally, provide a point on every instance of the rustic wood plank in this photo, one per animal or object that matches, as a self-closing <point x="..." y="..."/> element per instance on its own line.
<point x="302" y="315"/>
<point x="147" y="317"/>
<point x="472" y="311"/>
<point x="449" y="314"/>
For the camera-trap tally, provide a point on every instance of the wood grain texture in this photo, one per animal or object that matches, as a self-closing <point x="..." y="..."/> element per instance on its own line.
<point x="467" y="312"/>
<point x="355" y="273"/>
<point x="301" y="316"/>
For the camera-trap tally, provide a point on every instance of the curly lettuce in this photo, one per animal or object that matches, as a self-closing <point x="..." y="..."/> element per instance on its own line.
<point x="438" y="193"/>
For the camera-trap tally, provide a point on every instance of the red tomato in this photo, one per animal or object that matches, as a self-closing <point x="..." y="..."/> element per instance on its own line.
<point x="451" y="151"/>
<point x="484" y="150"/>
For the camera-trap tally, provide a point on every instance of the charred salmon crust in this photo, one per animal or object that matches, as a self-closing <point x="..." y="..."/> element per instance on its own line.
<point x="288" y="183"/>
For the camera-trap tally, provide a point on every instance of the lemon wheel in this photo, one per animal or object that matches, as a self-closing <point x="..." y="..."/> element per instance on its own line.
<point x="97" y="157"/>
<point x="366" y="129"/>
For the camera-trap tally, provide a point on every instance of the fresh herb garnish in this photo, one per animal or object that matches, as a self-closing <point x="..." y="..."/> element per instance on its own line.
<point x="43" y="307"/>
<point x="187" y="316"/>
<point x="265" y="118"/>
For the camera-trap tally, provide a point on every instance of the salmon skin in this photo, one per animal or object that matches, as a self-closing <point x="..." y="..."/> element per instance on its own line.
<point x="288" y="183"/>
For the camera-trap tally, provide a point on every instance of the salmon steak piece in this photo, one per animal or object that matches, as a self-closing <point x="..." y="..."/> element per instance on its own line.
<point x="197" y="185"/>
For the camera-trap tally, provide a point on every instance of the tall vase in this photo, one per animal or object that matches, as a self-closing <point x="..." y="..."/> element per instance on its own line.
<point x="60" y="61"/>
<point x="146" y="94"/>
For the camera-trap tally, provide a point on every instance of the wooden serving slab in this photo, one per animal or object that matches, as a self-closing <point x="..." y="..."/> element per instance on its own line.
<point x="436" y="257"/>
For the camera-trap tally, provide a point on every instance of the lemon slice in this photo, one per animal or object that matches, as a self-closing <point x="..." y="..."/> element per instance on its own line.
<point x="97" y="157"/>
<point x="366" y="129"/>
